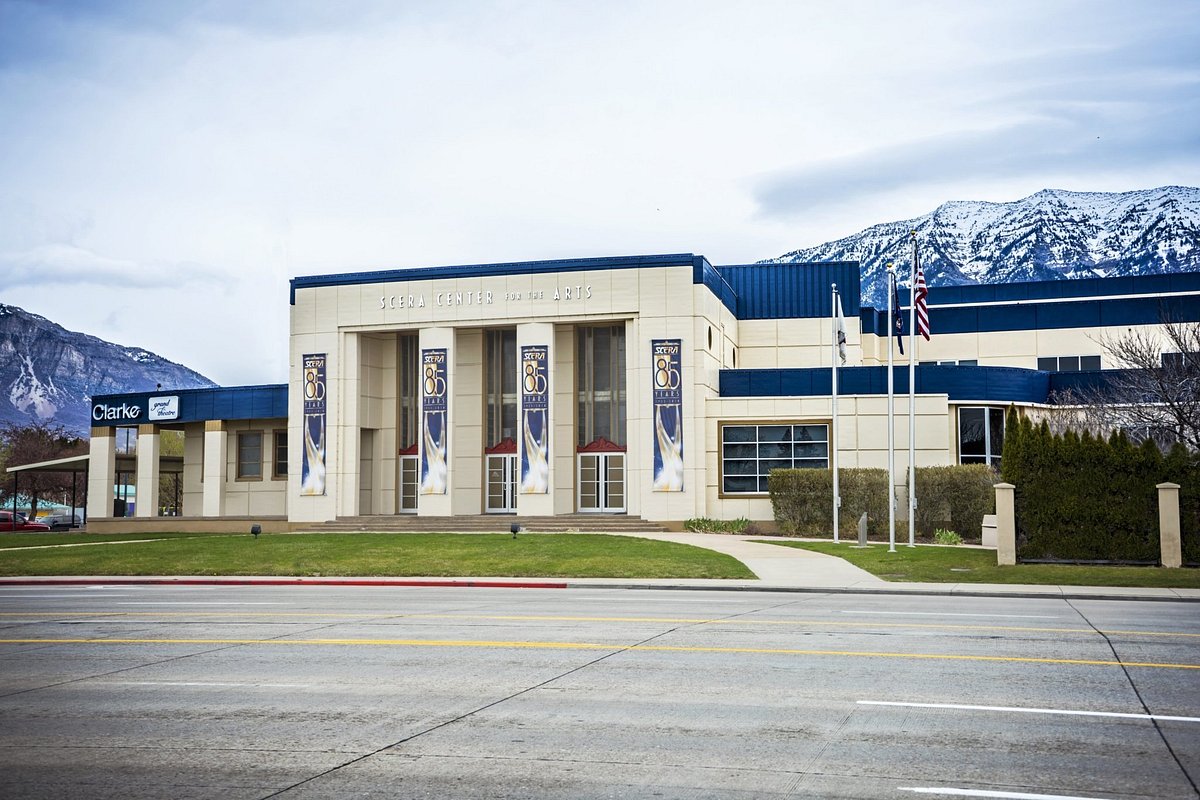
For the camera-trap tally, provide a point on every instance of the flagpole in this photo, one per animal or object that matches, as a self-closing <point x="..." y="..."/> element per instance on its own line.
<point x="912" y="395"/>
<point x="891" y="414"/>
<point x="833" y="434"/>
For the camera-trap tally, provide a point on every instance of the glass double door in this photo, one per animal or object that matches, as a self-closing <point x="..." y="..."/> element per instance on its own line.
<point x="602" y="482"/>
<point x="502" y="484"/>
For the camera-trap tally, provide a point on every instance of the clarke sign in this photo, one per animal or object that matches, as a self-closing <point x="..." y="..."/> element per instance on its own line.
<point x="156" y="409"/>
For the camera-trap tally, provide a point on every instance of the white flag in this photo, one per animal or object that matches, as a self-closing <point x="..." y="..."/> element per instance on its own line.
<point x="839" y="328"/>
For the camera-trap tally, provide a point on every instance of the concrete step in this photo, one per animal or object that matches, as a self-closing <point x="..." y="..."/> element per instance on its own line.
<point x="489" y="523"/>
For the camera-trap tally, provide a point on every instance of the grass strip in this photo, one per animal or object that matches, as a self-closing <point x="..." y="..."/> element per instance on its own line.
<point x="931" y="564"/>
<point x="568" y="555"/>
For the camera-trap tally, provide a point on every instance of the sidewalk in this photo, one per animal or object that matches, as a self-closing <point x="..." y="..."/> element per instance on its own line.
<point x="782" y="569"/>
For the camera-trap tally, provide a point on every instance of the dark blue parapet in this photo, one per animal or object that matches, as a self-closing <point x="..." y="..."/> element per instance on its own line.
<point x="793" y="291"/>
<point x="1101" y="312"/>
<point x="1179" y="282"/>
<point x="990" y="384"/>
<point x="194" y="405"/>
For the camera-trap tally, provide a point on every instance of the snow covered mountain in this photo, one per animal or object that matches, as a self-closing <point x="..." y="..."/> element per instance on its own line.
<point x="48" y="373"/>
<point x="1050" y="235"/>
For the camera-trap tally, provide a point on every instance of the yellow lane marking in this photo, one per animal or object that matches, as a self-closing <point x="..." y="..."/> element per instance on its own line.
<point x="562" y="618"/>
<point x="614" y="647"/>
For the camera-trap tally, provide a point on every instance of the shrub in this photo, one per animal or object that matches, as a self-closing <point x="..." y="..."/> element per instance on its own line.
<point x="803" y="500"/>
<point x="955" y="497"/>
<point x="1080" y="497"/>
<point x="943" y="536"/>
<point x="706" y="525"/>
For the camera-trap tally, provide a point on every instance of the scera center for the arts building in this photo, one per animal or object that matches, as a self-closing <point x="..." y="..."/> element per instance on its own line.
<point x="658" y="387"/>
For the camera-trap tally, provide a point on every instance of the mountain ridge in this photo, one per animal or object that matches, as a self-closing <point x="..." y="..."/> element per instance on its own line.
<point x="48" y="373"/>
<point x="1053" y="234"/>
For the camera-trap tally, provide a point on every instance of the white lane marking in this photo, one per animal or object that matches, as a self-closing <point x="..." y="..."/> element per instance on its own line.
<point x="199" y="683"/>
<point x="195" y="603"/>
<point x="1062" y="711"/>
<point x="952" y="614"/>
<point x="987" y="793"/>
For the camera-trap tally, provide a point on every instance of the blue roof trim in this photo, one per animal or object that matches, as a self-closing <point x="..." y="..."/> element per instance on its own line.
<point x="793" y="290"/>
<point x="1052" y="290"/>
<point x="494" y="270"/>
<point x="1047" y="316"/>
<point x="706" y="274"/>
<point x="269" y="401"/>
<point x="989" y="384"/>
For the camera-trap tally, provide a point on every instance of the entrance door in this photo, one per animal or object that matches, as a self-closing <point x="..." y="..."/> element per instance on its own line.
<point x="602" y="482"/>
<point x="502" y="484"/>
<point x="406" y="489"/>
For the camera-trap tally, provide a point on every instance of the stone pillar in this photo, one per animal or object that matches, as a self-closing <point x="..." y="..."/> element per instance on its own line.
<point x="102" y="473"/>
<point x="1006" y="525"/>
<point x="216" y="447"/>
<point x="148" y="450"/>
<point x="1169" y="539"/>
<point x="537" y="503"/>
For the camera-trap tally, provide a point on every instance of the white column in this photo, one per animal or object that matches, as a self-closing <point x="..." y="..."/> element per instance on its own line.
<point x="216" y="448"/>
<point x="537" y="333"/>
<point x="148" y="449"/>
<point x="102" y="473"/>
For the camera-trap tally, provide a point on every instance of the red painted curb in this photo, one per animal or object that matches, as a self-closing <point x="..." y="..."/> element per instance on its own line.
<point x="278" y="582"/>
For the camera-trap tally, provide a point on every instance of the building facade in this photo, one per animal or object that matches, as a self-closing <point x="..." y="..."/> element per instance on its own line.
<point x="653" y="386"/>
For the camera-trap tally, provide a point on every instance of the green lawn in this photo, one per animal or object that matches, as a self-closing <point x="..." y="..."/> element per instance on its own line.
<point x="383" y="554"/>
<point x="930" y="564"/>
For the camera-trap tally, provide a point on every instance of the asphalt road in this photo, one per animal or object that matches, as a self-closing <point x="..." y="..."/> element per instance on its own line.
<point x="315" y="692"/>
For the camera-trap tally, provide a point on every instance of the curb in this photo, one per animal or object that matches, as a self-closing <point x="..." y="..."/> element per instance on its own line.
<point x="527" y="584"/>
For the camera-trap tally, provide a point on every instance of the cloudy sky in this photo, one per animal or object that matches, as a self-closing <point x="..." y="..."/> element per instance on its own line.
<point x="166" y="167"/>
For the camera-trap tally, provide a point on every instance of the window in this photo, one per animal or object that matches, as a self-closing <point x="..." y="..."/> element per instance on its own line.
<point x="750" y="452"/>
<point x="600" y="378"/>
<point x="980" y="435"/>
<point x="962" y="362"/>
<point x="250" y="456"/>
<point x="408" y="371"/>
<point x="280" y="470"/>
<point x="500" y="392"/>
<point x="1068" y="363"/>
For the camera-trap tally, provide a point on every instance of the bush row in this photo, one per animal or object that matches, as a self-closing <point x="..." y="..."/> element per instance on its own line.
<point x="1081" y="497"/>
<point x="954" y="498"/>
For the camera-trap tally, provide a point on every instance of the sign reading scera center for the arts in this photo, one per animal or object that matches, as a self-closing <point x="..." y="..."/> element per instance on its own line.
<point x="434" y="397"/>
<point x="668" y="414"/>
<point x="535" y="402"/>
<point x="312" y="467"/>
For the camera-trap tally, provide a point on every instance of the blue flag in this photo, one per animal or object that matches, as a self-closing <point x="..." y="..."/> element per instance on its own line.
<point x="897" y="321"/>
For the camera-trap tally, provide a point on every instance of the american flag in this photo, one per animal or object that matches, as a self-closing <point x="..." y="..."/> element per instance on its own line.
<point x="920" y="293"/>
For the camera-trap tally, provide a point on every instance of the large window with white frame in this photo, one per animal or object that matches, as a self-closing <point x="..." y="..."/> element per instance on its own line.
<point x="980" y="435"/>
<point x="749" y="451"/>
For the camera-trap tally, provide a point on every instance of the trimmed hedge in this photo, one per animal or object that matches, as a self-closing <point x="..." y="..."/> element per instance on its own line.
<point x="1084" y="498"/>
<point x="955" y="498"/>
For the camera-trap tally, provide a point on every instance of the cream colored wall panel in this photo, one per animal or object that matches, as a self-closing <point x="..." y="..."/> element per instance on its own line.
<point x="758" y="358"/>
<point x="758" y="332"/>
<point x="652" y="293"/>
<point x="598" y="294"/>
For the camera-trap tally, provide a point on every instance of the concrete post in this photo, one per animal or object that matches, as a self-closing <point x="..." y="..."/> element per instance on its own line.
<point x="1006" y="525"/>
<point x="148" y="449"/>
<point x="1169" y="539"/>
<point x="102" y="473"/>
<point x="216" y="450"/>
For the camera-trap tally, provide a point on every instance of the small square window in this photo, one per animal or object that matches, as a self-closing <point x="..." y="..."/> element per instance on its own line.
<point x="250" y="455"/>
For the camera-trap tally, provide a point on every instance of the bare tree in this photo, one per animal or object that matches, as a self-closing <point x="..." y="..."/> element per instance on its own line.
<point x="30" y="444"/>
<point x="1154" y="392"/>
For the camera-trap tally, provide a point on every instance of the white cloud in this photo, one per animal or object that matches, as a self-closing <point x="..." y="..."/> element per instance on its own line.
<point x="197" y="155"/>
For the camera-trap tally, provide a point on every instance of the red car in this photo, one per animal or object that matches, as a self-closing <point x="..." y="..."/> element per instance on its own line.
<point x="16" y="521"/>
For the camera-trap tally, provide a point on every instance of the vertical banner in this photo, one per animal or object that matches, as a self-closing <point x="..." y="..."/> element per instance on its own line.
<point x="668" y="414"/>
<point x="434" y="397"/>
<point x="312" y="467"/>
<point x="535" y="403"/>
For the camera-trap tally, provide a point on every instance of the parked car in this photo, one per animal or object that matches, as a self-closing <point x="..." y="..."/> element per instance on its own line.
<point x="61" y="522"/>
<point x="16" y="521"/>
